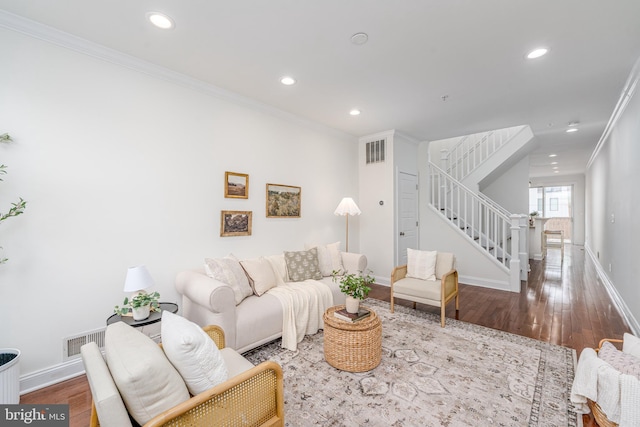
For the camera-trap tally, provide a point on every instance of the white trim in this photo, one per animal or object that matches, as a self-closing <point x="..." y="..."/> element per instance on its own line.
<point x="48" y="34"/>
<point x="618" y="302"/>
<point x="52" y="375"/>
<point x="502" y="285"/>
<point x="376" y="136"/>
<point x="382" y="280"/>
<point x="627" y="92"/>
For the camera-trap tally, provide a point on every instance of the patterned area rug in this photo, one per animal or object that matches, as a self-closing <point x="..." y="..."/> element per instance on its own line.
<point x="459" y="375"/>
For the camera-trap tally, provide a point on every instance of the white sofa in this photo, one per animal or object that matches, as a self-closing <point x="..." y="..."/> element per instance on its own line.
<point x="254" y="321"/>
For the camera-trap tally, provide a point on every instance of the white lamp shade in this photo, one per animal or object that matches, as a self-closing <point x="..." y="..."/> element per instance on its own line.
<point x="138" y="278"/>
<point x="347" y="207"/>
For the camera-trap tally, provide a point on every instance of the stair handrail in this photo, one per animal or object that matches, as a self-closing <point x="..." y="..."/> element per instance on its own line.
<point x="461" y="159"/>
<point x="493" y="228"/>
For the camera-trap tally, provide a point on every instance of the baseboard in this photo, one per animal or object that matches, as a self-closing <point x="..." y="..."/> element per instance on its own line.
<point x="613" y="293"/>
<point x="383" y="280"/>
<point x="485" y="283"/>
<point x="52" y="375"/>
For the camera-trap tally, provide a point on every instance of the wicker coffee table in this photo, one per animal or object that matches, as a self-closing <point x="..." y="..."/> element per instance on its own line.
<point x="353" y="347"/>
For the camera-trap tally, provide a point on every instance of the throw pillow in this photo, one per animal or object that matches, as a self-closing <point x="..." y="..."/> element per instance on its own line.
<point x="329" y="258"/>
<point x="146" y="380"/>
<point x="261" y="277"/>
<point x="279" y="267"/>
<point x="631" y="344"/>
<point x="621" y="362"/>
<point x="192" y="352"/>
<point x="228" y="270"/>
<point x="303" y="265"/>
<point x="421" y="264"/>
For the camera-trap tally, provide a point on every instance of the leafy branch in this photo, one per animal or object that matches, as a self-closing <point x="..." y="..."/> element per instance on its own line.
<point x="16" y="208"/>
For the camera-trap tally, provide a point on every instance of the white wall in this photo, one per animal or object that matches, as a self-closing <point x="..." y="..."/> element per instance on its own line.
<point x="511" y="189"/>
<point x="376" y="183"/>
<point x="612" y="206"/>
<point x="120" y="168"/>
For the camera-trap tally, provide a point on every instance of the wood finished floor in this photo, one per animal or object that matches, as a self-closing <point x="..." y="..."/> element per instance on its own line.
<point x="562" y="303"/>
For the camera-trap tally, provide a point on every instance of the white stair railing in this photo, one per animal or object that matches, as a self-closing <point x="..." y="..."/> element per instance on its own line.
<point x="473" y="150"/>
<point x="485" y="224"/>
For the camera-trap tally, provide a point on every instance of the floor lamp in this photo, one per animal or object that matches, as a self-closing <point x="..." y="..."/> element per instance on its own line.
<point x="347" y="207"/>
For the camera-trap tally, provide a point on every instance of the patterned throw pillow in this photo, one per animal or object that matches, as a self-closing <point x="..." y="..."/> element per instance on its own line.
<point x="303" y="265"/>
<point x="622" y="362"/>
<point x="228" y="270"/>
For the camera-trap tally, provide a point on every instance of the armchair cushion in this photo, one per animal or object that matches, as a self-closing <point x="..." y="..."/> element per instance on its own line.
<point x="147" y="381"/>
<point x="192" y="353"/>
<point x="424" y="289"/>
<point x="421" y="264"/>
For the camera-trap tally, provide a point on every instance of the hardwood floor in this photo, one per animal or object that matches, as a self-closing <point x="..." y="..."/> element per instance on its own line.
<point x="562" y="303"/>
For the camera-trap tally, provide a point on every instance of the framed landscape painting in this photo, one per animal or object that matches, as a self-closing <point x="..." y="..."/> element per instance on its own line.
<point x="235" y="223"/>
<point x="283" y="201"/>
<point x="236" y="185"/>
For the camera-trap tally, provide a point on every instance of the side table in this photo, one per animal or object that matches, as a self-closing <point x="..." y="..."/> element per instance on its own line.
<point x="352" y="346"/>
<point x="154" y="318"/>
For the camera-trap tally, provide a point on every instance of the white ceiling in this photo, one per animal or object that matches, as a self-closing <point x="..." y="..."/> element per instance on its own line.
<point x="418" y="51"/>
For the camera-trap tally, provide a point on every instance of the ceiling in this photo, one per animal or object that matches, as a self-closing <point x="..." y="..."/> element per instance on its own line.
<point x="431" y="69"/>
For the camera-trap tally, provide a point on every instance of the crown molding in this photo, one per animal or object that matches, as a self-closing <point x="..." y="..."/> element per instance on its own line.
<point x="626" y="95"/>
<point x="54" y="36"/>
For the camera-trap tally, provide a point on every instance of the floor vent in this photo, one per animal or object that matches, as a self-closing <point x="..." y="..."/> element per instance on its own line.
<point x="375" y="151"/>
<point x="71" y="345"/>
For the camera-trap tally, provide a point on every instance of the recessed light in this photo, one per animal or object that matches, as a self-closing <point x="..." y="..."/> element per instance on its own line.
<point x="359" y="38"/>
<point x="572" y="124"/>
<point x="288" y="81"/>
<point x="572" y="130"/>
<point x="355" y="112"/>
<point x="554" y="163"/>
<point x="160" y="20"/>
<point x="556" y="171"/>
<point x="553" y="155"/>
<point x="537" y="53"/>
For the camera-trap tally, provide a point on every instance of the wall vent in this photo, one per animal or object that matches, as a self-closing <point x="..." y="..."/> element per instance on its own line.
<point x="71" y="345"/>
<point x="375" y="151"/>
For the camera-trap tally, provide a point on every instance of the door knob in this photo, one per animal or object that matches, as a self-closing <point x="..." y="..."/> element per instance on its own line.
<point x="402" y="233"/>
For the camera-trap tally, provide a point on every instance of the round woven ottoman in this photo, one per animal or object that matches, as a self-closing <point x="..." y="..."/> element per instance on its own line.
<point x="352" y="346"/>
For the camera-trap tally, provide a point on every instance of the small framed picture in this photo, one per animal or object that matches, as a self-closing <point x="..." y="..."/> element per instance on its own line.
<point x="235" y="223"/>
<point x="236" y="185"/>
<point x="283" y="201"/>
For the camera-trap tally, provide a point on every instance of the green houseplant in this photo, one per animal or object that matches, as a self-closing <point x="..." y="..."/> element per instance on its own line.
<point x="140" y="305"/>
<point x="355" y="286"/>
<point x="16" y="208"/>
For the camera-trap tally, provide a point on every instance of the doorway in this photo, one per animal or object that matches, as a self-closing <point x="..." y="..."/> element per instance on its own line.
<point x="556" y="204"/>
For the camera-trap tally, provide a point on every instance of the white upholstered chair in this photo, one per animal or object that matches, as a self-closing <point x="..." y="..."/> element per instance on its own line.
<point x="438" y="291"/>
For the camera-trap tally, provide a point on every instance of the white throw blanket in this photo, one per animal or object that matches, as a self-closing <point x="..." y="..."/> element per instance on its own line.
<point x="617" y="394"/>
<point x="303" y="305"/>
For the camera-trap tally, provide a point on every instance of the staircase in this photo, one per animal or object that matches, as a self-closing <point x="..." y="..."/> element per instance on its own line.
<point x="499" y="234"/>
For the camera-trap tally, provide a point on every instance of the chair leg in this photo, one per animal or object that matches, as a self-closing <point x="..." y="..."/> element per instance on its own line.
<point x="442" y="315"/>
<point x="457" y="302"/>
<point x="392" y="302"/>
<point x="414" y="305"/>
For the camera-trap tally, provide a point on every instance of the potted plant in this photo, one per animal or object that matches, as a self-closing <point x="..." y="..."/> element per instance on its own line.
<point x="140" y="305"/>
<point x="355" y="286"/>
<point x="532" y="217"/>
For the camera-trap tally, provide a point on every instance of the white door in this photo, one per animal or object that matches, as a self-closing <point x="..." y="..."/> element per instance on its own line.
<point x="407" y="215"/>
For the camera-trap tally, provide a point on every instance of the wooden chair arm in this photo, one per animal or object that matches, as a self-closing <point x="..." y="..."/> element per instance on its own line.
<point x="602" y="341"/>
<point x="255" y="397"/>
<point x="449" y="282"/>
<point x="399" y="272"/>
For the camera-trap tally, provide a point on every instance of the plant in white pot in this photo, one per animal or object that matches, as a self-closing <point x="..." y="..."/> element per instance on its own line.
<point x="139" y="305"/>
<point x="355" y="286"/>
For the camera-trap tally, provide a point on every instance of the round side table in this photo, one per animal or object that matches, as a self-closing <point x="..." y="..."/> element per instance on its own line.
<point x="352" y="346"/>
<point x="154" y="316"/>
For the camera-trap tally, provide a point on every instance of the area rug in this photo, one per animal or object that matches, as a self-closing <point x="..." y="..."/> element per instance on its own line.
<point x="459" y="375"/>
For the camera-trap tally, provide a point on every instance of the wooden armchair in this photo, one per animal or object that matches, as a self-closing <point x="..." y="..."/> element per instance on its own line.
<point x="253" y="397"/>
<point x="437" y="292"/>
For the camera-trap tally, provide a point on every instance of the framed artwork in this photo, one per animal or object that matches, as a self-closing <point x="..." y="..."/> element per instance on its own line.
<point x="235" y="223"/>
<point x="283" y="201"/>
<point x="236" y="185"/>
